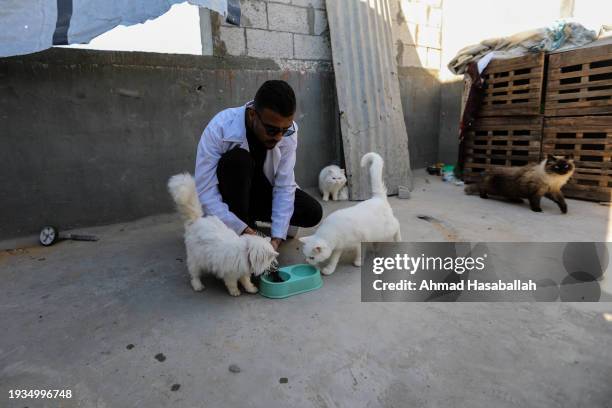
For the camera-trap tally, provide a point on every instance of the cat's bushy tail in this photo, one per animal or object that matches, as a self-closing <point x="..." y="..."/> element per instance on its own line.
<point x="182" y="188"/>
<point x="376" y="173"/>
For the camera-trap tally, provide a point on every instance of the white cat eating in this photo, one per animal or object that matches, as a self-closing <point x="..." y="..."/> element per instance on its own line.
<point x="369" y="221"/>
<point x="214" y="248"/>
<point x="332" y="181"/>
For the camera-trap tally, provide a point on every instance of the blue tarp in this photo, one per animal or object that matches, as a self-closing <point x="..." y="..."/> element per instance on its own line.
<point x="29" y="26"/>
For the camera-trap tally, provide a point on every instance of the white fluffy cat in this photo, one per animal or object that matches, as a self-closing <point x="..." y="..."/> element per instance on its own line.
<point x="368" y="221"/>
<point x="332" y="181"/>
<point x="214" y="248"/>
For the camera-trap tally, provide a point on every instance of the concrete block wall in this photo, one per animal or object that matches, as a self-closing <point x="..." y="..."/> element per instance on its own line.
<point x="295" y="32"/>
<point x="292" y="32"/>
<point x="110" y="128"/>
<point x="417" y="31"/>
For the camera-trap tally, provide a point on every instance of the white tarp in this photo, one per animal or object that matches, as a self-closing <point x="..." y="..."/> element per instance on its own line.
<point x="29" y="26"/>
<point x="561" y="35"/>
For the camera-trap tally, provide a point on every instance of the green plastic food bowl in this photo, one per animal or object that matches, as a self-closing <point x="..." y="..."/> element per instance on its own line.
<point x="296" y="279"/>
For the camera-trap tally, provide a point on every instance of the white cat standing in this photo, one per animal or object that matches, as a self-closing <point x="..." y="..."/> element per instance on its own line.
<point x="369" y="221"/>
<point x="214" y="248"/>
<point x="332" y="182"/>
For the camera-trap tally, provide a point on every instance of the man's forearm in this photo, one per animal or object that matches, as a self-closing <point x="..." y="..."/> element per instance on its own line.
<point x="282" y="210"/>
<point x="213" y="205"/>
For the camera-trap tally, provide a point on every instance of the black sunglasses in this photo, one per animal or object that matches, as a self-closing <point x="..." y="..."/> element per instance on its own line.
<point x="273" y="130"/>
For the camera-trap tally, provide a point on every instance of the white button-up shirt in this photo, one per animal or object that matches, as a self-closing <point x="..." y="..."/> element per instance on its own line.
<point x="226" y="131"/>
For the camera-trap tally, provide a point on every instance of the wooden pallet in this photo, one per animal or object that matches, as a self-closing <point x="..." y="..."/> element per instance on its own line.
<point x="513" y="86"/>
<point x="492" y="142"/>
<point x="589" y="139"/>
<point x="580" y="82"/>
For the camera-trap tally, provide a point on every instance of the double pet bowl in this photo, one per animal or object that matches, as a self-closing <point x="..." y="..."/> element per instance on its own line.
<point x="294" y="279"/>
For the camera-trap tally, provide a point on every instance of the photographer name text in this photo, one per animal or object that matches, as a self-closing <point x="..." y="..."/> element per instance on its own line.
<point x="458" y="265"/>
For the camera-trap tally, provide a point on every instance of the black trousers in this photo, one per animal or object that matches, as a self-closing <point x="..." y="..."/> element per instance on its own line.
<point x="248" y="193"/>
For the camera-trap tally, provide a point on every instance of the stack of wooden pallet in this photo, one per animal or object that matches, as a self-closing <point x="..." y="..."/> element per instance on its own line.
<point x="508" y="128"/>
<point x="539" y="104"/>
<point x="579" y="86"/>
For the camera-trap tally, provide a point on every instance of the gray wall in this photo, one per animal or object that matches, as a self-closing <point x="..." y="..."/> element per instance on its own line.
<point x="91" y="137"/>
<point x="420" y="93"/>
<point x="450" y="115"/>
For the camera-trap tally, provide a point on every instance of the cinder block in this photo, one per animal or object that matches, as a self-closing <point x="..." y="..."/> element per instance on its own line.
<point x="321" y="24"/>
<point x="220" y="19"/>
<point x="434" y="58"/>
<point x="429" y="37"/>
<point x="397" y="17"/>
<point x="318" y="4"/>
<point x="411" y="58"/>
<point x="287" y="18"/>
<point x="312" y="47"/>
<point x="407" y="33"/>
<point x="414" y="12"/>
<point x="403" y="192"/>
<point x="422" y="54"/>
<point x="233" y="40"/>
<point x="269" y="44"/>
<point x="253" y="14"/>
<point x="432" y="3"/>
<point x="435" y="17"/>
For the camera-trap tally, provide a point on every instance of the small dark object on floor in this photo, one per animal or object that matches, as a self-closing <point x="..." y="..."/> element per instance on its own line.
<point x="234" y="368"/>
<point x="129" y="346"/>
<point x="175" y="387"/>
<point x="283" y="380"/>
<point x="433" y="170"/>
<point x="426" y="218"/>
<point x="160" y="357"/>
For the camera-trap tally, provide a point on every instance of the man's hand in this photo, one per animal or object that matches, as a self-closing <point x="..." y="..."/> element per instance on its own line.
<point x="249" y="230"/>
<point x="275" y="243"/>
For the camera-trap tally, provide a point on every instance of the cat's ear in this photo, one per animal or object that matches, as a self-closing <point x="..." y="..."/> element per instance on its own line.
<point x="304" y="240"/>
<point x="343" y="171"/>
<point x="551" y="158"/>
<point x="317" y="249"/>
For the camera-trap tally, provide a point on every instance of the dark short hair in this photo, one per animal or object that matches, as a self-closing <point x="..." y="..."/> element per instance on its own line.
<point x="277" y="96"/>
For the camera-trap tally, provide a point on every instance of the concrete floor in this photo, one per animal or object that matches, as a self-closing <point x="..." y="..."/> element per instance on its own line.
<point x="69" y="312"/>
